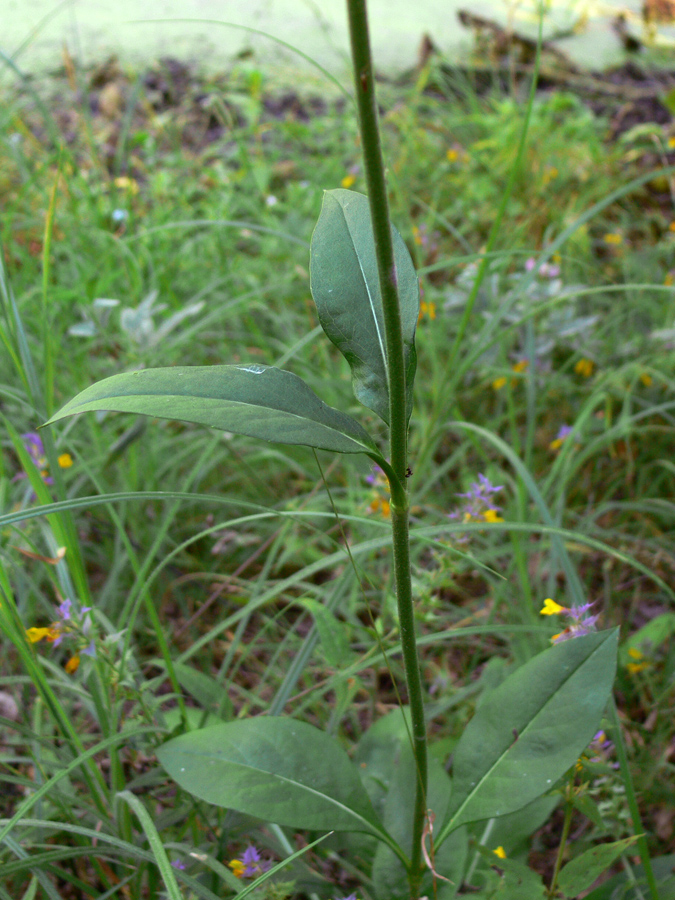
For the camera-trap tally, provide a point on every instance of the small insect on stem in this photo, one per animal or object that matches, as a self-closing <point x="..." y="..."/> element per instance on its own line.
<point x="408" y="472"/>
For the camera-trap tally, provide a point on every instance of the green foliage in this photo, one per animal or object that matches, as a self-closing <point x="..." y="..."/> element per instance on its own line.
<point x="216" y="565"/>
<point x="524" y="736"/>
<point x="346" y="290"/>
<point x="579" y="874"/>
<point x="272" y="768"/>
<point x="510" y="879"/>
<point x="531" y="729"/>
<point x="259" y="401"/>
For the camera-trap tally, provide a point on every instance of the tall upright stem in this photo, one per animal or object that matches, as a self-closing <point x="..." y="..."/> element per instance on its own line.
<point x="398" y="419"/>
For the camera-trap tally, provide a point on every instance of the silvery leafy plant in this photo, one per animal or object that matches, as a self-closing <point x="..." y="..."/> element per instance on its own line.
<point x="526" y="734"/>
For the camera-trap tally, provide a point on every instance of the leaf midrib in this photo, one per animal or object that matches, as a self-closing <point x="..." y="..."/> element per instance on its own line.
<point x="287" y="780"/>
<point x="380" y="338"/>
<point x="328" y="427"/>
<point x="480" y="783"/>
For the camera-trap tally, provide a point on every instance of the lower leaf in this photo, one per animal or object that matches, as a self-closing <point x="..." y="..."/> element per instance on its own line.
<point x="276" y="769"/>
<point x="532" y="728"/>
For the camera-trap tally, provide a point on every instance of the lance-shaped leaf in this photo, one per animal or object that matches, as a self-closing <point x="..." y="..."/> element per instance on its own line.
<point x="276" y="769"/>
<point x="346" y="290"/>
<point x="579" y="874"/>
<point x="259" y="401"/>
<point x="531" y="729"/>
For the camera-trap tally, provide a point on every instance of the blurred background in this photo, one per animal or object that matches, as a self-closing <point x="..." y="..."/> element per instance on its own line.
<point x="590" y="33"/>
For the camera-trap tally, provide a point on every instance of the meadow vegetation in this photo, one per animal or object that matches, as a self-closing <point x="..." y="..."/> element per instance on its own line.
<point x="166" y="575"/>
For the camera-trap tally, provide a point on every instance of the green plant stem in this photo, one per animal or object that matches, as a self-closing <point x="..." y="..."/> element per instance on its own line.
<point x="569" y="809"/>
<point x="401" y="542"/>
<point x="398" y="420"/>
<point x="627" y="779"/>
<point x="384" y="247"/>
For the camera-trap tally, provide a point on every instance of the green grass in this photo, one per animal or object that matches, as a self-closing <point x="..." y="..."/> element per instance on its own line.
<point x="221" y="575"/>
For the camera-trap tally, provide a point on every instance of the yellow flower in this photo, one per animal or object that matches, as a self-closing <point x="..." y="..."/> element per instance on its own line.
<point x="551" y="608"/>
<point x="452" y="155"/>
<point x="490" y="515"/>
<point x="237" y="867"/>
<point x="550" y="173"/>
<point x="646" y="379"/>
<point x="584" y="367"/>
<point x="348" y="180"/>
<point x="613" y="238"/>
<point x="562" y="434"/>
<point x="73" y="664"/>
<point x="518" y="368"/>
<point x="671" y="143"/>
<point x="129" y="183"/>
<point x="35" y="635"/>
<point x="640" y="661"/>
<point x="65" y="460"/>
<point x="671" y="227"/>
<point x="379" y="504"/>
<point x="500" y="852"/>
<point x="427" y="309"/>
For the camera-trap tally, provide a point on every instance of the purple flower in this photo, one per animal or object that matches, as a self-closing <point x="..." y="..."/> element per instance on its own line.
<point x="35" y="449"/>
<point x="479" y="505"/>
<point x="65" y="619"/>
<point x="549" y="270"/>
<point x="33" y="444"/>
<point x="375" y="474"/>
<point x="602" y="749"/>
<point x="481" y="489"/>
<point x="546" y="270"/>
<point x="253" y="863"/>
<point x="177" y="864"/>
<point x="563" y="433"/>
<point x="64" y="609"/>
<point x="68" y="624"/>
<point x="580" y="623"/>
<point x="601" y="744"/>
<point x="90" y="649"/>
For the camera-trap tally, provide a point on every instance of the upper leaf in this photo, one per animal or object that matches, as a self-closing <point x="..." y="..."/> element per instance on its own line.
<point x="274" y="768"/>
<point x="259" y="401"/>
<point x="346" y="289"/>
<point x="532" y="728"/>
